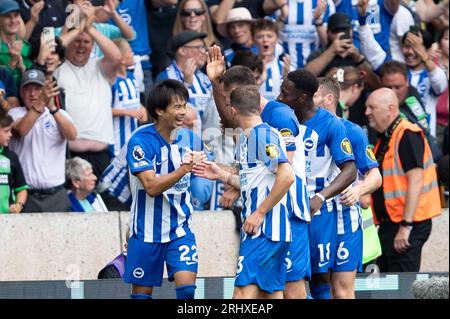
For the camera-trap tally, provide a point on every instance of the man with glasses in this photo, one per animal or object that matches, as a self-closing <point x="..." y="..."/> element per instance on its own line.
<point x="188" y="51"/>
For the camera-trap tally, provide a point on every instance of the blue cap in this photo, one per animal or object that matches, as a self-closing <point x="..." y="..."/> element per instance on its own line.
<point x="7" y="6"/>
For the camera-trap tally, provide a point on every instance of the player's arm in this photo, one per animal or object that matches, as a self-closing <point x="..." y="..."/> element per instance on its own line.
<point x="339" y="184"/>
<point x="367" y="164"/>
<point x="215" y="68"/>
<point x="371" y="182"/>
<point x="284" y="179"/>
<point x="213" y="171"/>
<point x="155" y="186"/>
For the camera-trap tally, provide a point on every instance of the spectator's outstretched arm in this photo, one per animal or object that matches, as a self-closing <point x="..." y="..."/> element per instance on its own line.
<point x="428" y="10"/>
<point x="317" y="65"/>
<point x="219" y="12"/>
<point x="392" y="6"/>
<point x="370" y="48"/>
<point x="111" y="60"/>
<point x="270" y="6"/>
<point x="65" y="126"/>
<point x="34" y="18"/>
<point x="68" y="36"/>
<point x="126" y="30"/>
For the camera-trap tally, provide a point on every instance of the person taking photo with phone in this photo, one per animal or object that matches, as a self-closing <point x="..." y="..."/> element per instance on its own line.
<point x="341" y="51"/>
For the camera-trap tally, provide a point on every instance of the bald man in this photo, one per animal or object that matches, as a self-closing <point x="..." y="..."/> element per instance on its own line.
<point x="409" y="196"/>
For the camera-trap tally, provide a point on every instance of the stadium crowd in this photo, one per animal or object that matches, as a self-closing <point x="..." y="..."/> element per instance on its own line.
<point x="329" y="107"/>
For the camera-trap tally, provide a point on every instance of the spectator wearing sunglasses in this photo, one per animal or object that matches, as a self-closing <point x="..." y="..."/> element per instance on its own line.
<point x="193" y="15"/>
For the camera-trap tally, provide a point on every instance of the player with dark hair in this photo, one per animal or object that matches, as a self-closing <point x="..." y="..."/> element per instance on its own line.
<point x="160" y="223"/>
<point x="330" y="169"/>
<point x="349" y="253"/>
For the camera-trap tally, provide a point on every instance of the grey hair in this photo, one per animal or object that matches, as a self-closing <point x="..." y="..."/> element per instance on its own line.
<point x="433" y="288"/>
<point x="75" y="168"/>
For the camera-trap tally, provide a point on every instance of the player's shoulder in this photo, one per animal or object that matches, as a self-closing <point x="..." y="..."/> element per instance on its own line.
<point x="146" y="135"/>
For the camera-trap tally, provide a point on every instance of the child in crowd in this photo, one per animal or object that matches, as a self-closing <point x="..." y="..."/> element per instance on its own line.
<point x="13" y="187"/>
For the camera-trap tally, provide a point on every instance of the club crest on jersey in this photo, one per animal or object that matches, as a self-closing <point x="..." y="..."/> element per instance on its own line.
<point x="138" y="153"/>
<point x="272" y="151"/>
<point x="370" y="153"/>
<point x="288" y="136"/>
<point x="346" y="146"/>
<point x="310" y="144"/>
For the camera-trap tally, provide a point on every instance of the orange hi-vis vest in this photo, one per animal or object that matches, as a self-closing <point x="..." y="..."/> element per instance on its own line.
<point x="395" y="182"/>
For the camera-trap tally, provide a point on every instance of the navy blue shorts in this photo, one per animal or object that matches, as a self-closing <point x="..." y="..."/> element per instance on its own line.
<point x="145" y="261"/>
<point x="262" y="262"/>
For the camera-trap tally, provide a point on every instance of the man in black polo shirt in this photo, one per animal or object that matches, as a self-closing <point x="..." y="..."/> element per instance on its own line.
<point x="409" y="197"/>
<point x="52" y="15"/>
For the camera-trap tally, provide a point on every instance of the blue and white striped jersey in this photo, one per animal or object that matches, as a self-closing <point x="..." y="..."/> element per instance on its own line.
<point x="299" y="36"/>
<point x="378" y="18"/>
<point x="349" y="217"/>
<point x="259" y="156"/>
<point x="125" y="97"/>
<point x="270" y="89"/>
<point x="281" y="117"/>
<point x="299" y="190"/>
<point x="326" y="147"/>
<point x="115" y="178"/>
<point x="200" y="92"/>
<point x="165" y="217"/>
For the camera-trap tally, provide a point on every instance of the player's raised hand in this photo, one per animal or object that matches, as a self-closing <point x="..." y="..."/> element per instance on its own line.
<point x="209" y="170"/>
<point x="215" y="66"/>
<point x="253" y="222"/>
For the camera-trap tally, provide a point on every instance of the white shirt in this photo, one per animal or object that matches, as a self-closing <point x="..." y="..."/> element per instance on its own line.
<point x="88" y="100"/>
<point x="403" y="19"/>
<point x="42" y="152"/>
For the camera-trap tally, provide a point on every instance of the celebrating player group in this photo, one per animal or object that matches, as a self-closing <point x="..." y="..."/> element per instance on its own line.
<point x="299" y="169"/>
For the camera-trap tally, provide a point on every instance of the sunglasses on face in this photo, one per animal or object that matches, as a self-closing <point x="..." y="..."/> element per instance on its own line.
<point x="188" y="12"/>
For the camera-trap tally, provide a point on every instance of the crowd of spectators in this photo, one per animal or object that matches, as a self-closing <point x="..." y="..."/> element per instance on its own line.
<point x="74" y="77"/>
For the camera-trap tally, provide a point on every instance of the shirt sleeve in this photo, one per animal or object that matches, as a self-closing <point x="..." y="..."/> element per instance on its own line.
<point x="286" y="123"/>
<point x="339" y="144"/>
<point x="411" y="150"/>
<point x="18" y="178"/>
<point x="140" y="155"/>
<point x="271" y="150"/>
<point x="364" y="157"/>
